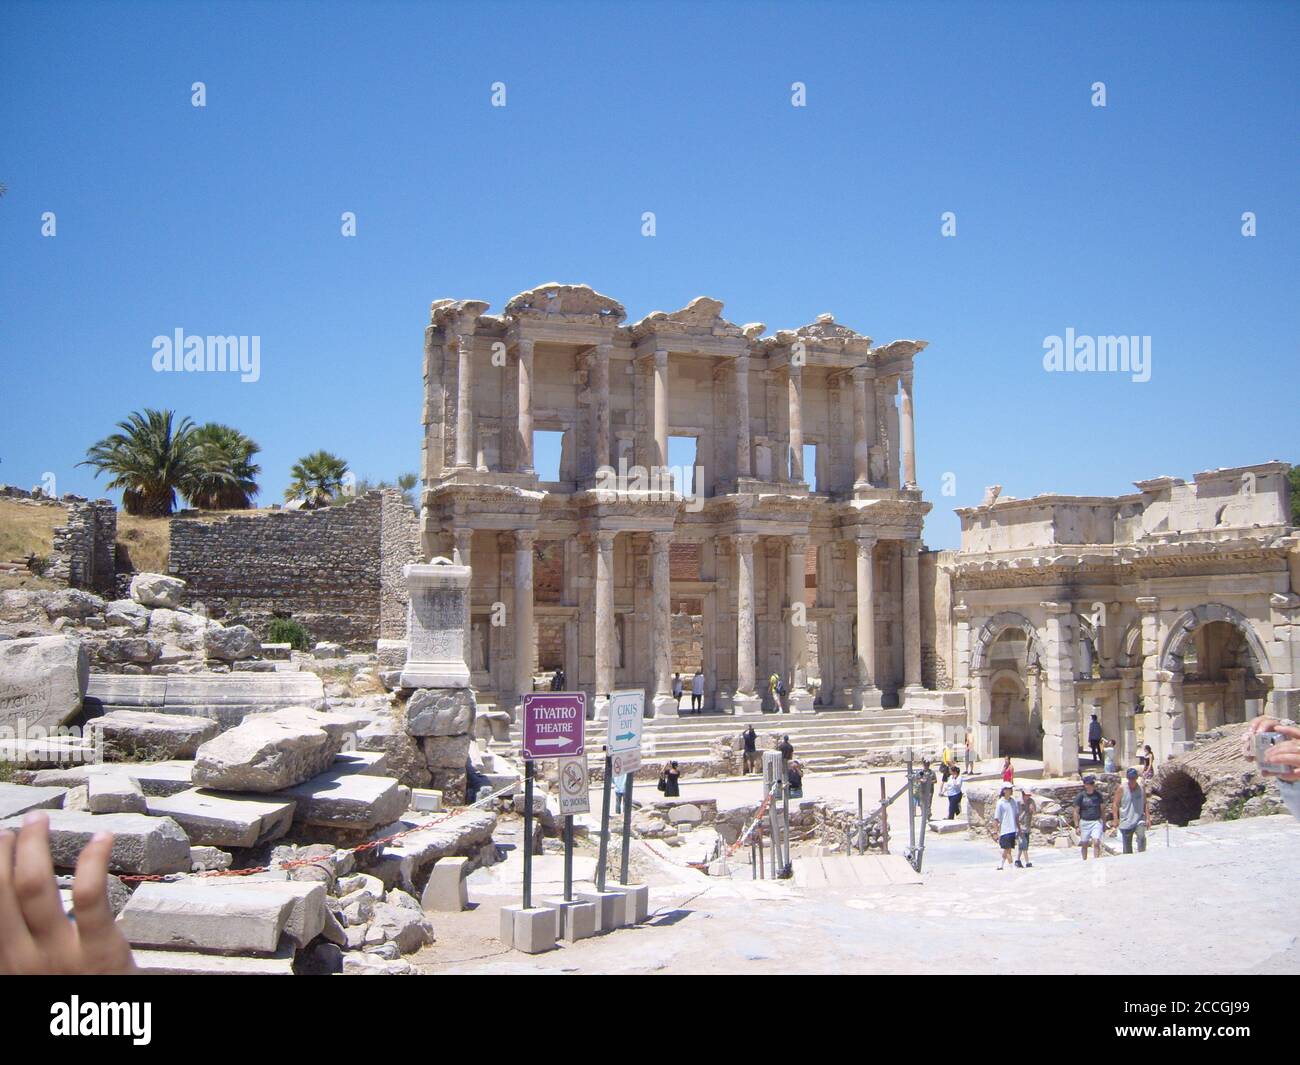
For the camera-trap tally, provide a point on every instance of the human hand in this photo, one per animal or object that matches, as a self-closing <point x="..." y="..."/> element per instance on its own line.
<point x="36" y="937"/>
<point x="1264" y="724"/>
<point x="1286" y="753"/>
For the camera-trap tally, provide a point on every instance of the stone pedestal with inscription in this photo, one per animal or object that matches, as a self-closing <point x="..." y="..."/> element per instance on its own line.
<point x="435" y="625"/>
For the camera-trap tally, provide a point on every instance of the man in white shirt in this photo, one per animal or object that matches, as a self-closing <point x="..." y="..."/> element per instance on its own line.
<point x="1007" y="817"/>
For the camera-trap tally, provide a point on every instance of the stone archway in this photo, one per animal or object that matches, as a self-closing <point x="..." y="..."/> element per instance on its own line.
<point x="1014" y="714"/>
<point x="993" y="702"/>
<point x="1213" y="662"/>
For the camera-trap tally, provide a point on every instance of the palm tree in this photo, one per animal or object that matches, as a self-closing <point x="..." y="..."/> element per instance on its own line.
<point x="150" y="459"/>
<point x="317" y="478"/>
<point x="226" y="476"/>
<point x="406" y="482"/>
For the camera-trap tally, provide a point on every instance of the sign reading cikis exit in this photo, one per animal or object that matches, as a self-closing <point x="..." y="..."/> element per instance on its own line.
<point x="554" y="724"/>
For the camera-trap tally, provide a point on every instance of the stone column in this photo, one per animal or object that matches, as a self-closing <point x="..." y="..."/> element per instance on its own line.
<point x="1153" y="716"/>
<point x="912" y="615"/>
<point x="465" y="401"/>
<point x="1060" y="713"/>
<point x="800" y="698"/>
<point x="745" y="701"/>
<point x="661" y="408"/>
<point x="524" y="368"/>
<point x="1128" y="688"/>
<point x="604" y="544"/>
<point x="743" y="467"/>
<point x="600" y="391"/>
<point x="664" y="703"/>
<point x="861" y="443"/>
<point x="908" y="433"/>
<point x="867" y="694"/>
<point x="794" y="376"/>
<point x="524" y="539"/>
<point x="464" y="538"/>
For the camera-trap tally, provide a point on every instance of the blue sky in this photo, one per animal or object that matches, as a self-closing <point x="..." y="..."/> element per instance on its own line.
<point x="225" y="219"/>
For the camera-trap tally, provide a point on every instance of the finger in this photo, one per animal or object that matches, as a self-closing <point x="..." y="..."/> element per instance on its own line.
<point x="15" y="940"/>
<point x="90" y="893"/>
<point x="1290" y="731"/>
<point x="38" y="898"/>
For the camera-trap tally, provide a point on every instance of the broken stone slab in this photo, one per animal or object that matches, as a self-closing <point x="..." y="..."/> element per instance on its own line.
<point x="273" y="751"/>
<point x="136" y="649"/>
<point x="367" y="763"/>
<point x="406" y="861"/>
<point x="347" y="800"/>
<point x="114" y="793"/>
<point x="222" y="917"/>
<point x="142" y="845"/>
<point x="356" y="963"/>
<point x="42" y="682"/>
<point x="17" y="799"/>
<point x="154" y="778"/>
<point x="73" y="604"/>
<point x="445" y="757"/>
<point x="305" y="919"/>
<point x="217" y="819"/>
<point x="188" y="963"/>
<point x="440" y="712"/>
<point x="408" y="929"/>
<point x="157" y="590"/>
<point x="230" y="643"/>
<point x="126" y="735"/>
<point x="405" y="758"/>
<point x="446" y="891"/>
<point x="208" y="859"/>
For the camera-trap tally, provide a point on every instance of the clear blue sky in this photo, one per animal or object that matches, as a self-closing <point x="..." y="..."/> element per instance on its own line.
<point x="1117" y="220"/>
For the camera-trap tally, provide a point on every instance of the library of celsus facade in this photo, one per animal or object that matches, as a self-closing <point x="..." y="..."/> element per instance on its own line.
<point x="1165" y="613"/>
<point x="806" y="571"/>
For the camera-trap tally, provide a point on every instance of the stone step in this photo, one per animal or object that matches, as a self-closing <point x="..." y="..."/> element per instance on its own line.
<point x="221" y="917"/>
<point x="141" y="844"/>
<point x="213" y="819"/>
<point x="188" y="963"/>
<point x="225" y="697"/>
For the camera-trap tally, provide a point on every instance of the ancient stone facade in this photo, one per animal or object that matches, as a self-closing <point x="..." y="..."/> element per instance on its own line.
<point x="1166" y="613"/>
<point x="337" y="570"/>
<point x="594" y="564"/>
<point x="83" y="552"/>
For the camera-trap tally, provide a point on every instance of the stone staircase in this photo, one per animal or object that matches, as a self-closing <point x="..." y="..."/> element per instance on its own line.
<point x="823" y="741"/>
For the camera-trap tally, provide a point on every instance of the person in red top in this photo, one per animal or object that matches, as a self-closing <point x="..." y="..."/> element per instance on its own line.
<point x="1008" y="774"/>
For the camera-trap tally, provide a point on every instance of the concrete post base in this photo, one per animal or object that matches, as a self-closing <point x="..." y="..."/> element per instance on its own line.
<point x="531" y="931"/>
<point x="744" y="705"/>
<point x="610" y="913"/>
<point x="577" y="920"/>
<point x="665" y="706"/>
<point x="636" y="907"/>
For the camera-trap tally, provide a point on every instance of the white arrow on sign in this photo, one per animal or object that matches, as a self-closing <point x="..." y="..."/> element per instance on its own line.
<point x="558" y="742"/>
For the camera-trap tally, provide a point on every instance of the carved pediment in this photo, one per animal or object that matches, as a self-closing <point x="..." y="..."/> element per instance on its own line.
<point x="827" y="328"/>
<point x="456" y="313"/>
<point x="567" y="301"/>
<point x="703" y="315"/>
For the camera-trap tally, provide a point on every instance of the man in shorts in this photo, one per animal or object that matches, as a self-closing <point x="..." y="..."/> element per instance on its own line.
<point x="1132" y="812"/>
<point x="1090" y="817"/>
<point x="1007" y="816"/>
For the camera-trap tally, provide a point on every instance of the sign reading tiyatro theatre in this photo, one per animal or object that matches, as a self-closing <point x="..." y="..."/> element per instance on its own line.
<point x="554" y="724"/>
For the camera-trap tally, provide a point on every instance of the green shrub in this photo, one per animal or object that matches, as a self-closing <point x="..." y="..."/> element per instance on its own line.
<point x="286" y="630"/>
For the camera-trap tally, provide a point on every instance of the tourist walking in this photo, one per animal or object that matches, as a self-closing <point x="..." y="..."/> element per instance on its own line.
<point x="1006" y="815"/>
<point x="1148" y="762"/>
<point x="1090" y="817"/>
<point x="620" y="789"/>
<point x="668" y="781"/>
<point x="558" y="680"/>
<point x="1109" y="764"/>
<point x="1027" y="810"/>
<point x="787" y="751"/>
<point x="1131" y="810"/>
<point x="697" y="691"/>
<point x="677" y="691"/>
<point x="749" y="741"/>
<point x="952" y="789"/>
<point x="925" y="788"/>
<point x="970" y="753"/>
<point x="1094" y="739"/>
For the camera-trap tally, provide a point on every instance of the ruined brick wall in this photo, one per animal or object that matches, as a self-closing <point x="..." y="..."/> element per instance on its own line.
<point x="337" y="571"/>
<point x="936" y="620"/>
<point x="82" y="551"/>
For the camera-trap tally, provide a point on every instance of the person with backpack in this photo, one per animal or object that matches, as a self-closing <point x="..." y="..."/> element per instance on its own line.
<point x="668" y="781"/>
<point x="749" y="741"/>
<point x="1094" y="739"/>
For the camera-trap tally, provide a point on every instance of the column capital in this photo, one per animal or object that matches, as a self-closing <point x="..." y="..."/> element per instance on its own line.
<point x="1054" y="608"/>
<point x="799" y="544"/>
<point x="962" y="611"/>
<point x="859" y="374"/>
<point x="660" y="540"/>
<point x="744" y="541"/>
<point x="1148" y="604"/>
<point x="741" y="361"/>
<point x="865" y="540"/>
<point x="602" y="538"/>
<point x="525" y="538"/>
<point x="911" y="547"/>
<point x="463" y="535"/>
<point x="661" y="358"/>
<point x="524" y="345"/>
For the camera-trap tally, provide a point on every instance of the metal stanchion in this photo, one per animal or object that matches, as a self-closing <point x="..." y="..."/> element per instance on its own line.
<point x="604" y="828"/>
<point x="528" y="834"/>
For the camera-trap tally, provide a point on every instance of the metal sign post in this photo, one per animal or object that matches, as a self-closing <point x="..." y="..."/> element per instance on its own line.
<point x="604" y="827"/>
<point x="575" y="798"/>
<point x="626" y="711"/>
<point x="528" y="834"/>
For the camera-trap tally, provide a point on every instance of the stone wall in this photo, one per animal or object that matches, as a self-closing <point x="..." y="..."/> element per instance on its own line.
<point x="83" y="552"/>
<point x="936" y="620"/>
<point x="337" y="571"/>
